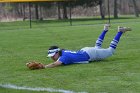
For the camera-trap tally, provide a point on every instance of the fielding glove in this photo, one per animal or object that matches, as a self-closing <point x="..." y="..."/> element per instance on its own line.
<point x="35" y="65"/>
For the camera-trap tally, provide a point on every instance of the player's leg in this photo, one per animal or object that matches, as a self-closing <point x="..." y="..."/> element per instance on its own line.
<point x="100" y="39"/>
<point x="116" y="39"/>
<point x="104" y="53"/>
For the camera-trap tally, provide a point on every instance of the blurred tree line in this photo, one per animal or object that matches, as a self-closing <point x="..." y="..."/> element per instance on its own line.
<point x="61" y="10"/>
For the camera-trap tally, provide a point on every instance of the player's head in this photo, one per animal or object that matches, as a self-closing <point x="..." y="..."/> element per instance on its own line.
<point x="53" y="52"/>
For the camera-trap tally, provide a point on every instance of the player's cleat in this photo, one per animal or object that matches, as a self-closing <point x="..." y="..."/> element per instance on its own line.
<point x="124" y="29"/>
<point x="106" y="26"/>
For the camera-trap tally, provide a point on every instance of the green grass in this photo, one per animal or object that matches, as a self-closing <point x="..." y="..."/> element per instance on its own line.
<point x="117" y="74"/>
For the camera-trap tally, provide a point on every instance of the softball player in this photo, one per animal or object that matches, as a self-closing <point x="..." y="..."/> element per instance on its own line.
<point x="86" y="54"/>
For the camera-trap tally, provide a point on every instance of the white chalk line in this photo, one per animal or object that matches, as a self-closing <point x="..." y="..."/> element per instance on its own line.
<point x="11" y="86"/>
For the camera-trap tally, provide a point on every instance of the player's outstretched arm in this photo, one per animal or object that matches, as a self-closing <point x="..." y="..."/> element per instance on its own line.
<point x="55" y="64"/>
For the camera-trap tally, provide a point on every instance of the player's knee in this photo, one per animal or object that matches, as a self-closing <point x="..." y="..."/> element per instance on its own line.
<point x="112" y="50"/>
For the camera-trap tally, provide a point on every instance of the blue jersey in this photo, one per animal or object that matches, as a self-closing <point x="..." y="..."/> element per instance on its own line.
<point x="71" y="57"/>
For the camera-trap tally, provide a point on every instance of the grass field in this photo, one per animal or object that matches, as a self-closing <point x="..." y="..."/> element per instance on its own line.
<point x="117" y="74"/>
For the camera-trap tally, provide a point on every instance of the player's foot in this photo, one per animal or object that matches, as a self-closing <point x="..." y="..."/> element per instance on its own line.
<point x="124" y="29"/>
<point x="106" y="27"/>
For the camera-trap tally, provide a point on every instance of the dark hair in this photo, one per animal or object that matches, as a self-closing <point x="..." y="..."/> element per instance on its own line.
<point x="60" y="52"/>
<point x="53" y="47"/>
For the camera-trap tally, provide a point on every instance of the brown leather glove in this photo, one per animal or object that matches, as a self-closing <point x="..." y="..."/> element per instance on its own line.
<point x="35" y="65"/>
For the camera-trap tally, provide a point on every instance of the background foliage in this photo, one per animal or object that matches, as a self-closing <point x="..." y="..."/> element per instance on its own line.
<point x="61" y="10"/>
